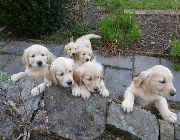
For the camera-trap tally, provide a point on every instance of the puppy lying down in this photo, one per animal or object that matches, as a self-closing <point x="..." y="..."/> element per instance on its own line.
<point x="151" y="86"/>
<point x="89" y="78"/>
<point x="35" y="59"/>
<point x="60" y="73"/>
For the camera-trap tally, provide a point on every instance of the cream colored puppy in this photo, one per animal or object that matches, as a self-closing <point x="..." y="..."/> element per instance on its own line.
<point x="89" y="78"/>
<point x="150" y="87"/>
<point x="84" y="41"/>
<point x="35" y="58"/>
<point x="84" y="55"/>
<point x="60" y="73"/>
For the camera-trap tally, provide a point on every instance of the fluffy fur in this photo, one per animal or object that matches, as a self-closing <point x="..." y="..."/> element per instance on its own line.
<point x="151" y="86"/>
<point x="60" y="73"/>
<point x="35" y="58"/>
<point x="84" y="41"/>
<point x="89" y="78"/>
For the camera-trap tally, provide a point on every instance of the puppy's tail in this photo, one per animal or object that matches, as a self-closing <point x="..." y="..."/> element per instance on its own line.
<point x="89" y="36"/>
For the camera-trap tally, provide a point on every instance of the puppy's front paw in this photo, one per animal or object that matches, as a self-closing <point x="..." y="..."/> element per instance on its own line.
<point x="127" y="106"/>
<point x="104" y="92"/>
<point x="14" y="78"/>
<point x="171" y="117"/>
<point x="35" y="91"/>
<point x="85" y="94"/>
<point x="76" y="92"/>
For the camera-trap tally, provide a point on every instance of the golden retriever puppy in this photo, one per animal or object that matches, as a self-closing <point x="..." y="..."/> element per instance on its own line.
<point x="35" y="58"/>
<point x="89" y="78"/>
<point x="150" y="87"/>
<point x="84" y="55"/>
<point x="84" y="41"/>
<point x="60" y="73"/>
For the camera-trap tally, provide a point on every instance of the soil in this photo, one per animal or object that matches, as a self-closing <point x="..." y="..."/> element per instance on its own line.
<point x="157" y="32"/>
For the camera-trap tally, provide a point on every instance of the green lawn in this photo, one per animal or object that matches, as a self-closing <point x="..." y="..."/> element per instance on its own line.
<point x="112" y="5"/>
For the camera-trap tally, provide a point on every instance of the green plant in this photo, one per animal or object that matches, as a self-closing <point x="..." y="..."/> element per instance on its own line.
<point x="5" y="77"/>
<point x="175" y="50"/>
<point x="177" y="67"/>
<point x="121" y="29"/>
<point x="33" y="17"/>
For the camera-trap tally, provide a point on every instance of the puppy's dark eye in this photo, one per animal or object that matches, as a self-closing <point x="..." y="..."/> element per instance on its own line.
<point x="33" y="55"/>
<point x="61" y="74"/>
<point x="42" y="54"/>
<point x="70" y="71"/>
<point x="98" y="77"/>
<point x="69" y="49"/>
<point x="83" y="53"/>
<point x="89" y="79"/>
<point x="162" y="81"/>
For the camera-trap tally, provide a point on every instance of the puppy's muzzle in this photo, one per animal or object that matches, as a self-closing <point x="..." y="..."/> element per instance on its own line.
<point x="96" y="89"/>
<point x="39" y="63"/>
<point x="69" y="83"/>
<point x="172" y="93"/>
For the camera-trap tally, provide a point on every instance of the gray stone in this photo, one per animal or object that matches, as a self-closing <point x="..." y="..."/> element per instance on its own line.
<point x="166" y="130"/>
<point x="16" y="106"/>
<point x="15" y="65"/>
<point x="70" y="117"/>
<point x="142" y="63"/>
<point x="117" y="81"/>
<point x="176" y="80"/>
<point x="177" y="127"/>
<point x="18" y="47"/>
<point x="4" y="59"/>
<point x="139" y="123"/>
<point x="118" y="61"/>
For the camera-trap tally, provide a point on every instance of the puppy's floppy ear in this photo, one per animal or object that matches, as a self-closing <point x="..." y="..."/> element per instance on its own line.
<point x="77" y="55"/>
<point x="102" y="73"/>
<point x="25" y="58"/>
<point x="65" y="50"/>
<point x="53" y="76"/>
<point x="141" y="78"/>
<point x="78" y="74"/>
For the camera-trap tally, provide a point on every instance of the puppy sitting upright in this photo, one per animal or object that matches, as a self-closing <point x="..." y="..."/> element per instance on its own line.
<point x="150" y="87"/>
<point x="89" y="78"/>
<point x="82" y="42"/>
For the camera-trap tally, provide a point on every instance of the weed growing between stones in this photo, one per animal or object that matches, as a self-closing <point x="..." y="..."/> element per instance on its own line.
<point x="121" y="29"/>
<point x="4" y="77"/>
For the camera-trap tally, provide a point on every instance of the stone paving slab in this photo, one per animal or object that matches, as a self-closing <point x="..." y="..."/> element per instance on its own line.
<point x="117" y="81"/>
<point x="141" y="123"/>
<point x="142" y="63"/>
<point x="18" y="47"/>
<point x="176" y="76"/>
<point x="166" y="130"/>
<point x="177" y="126"/>
<point x="4" y="59"/>
<point x="120" y="61"/>
<point x="14" y="66"/>
<point x="71" y="117"/>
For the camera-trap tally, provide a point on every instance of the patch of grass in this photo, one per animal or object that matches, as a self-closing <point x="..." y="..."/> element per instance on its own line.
<point x="175" y="50"/>
<point x="4" y="77"/>
<point x="112" y="5"/>
<point x="62" y="37"/>
<point x="4" y="35"/>
<point x="177" y="67"/>
<point x="122" y="29"/>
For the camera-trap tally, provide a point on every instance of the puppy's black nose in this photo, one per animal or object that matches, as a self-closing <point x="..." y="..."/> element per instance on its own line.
<point x="172" y="93"/>
<point x="96" y="89"/>
<point x="69" y="82"/>
<point x="73" y="54"/>
<point x="39" y="63"/>
<point x="87" y="59"/>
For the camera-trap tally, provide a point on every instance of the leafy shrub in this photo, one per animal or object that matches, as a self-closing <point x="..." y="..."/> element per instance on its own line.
<point x="34" y="17"/>
<point x="122" y="29"/>
<point x="175" y="50"/>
